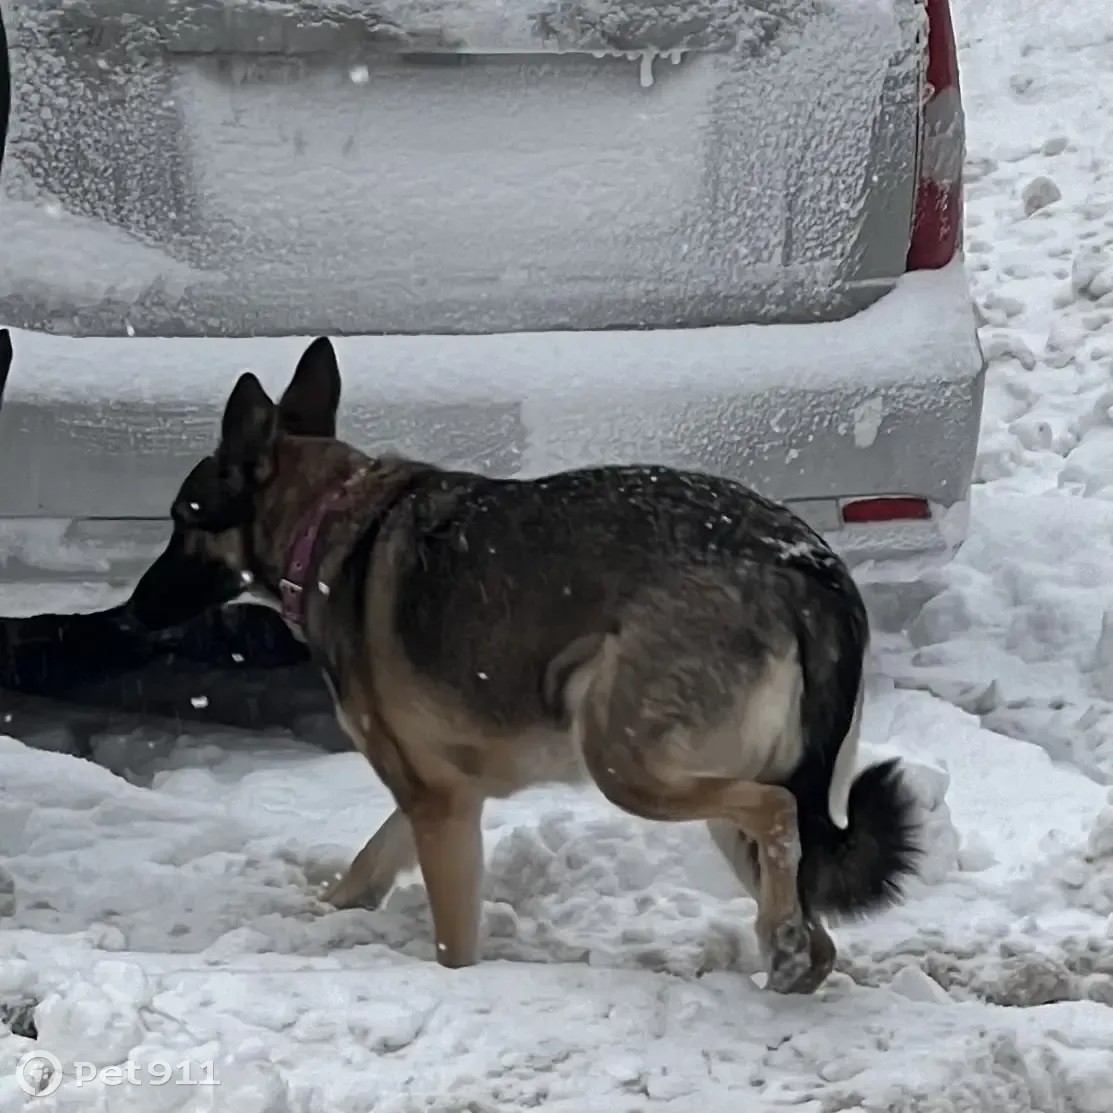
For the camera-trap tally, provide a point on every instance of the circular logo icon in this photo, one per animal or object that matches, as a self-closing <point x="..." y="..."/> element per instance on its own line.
<point x="39" y="1073"/>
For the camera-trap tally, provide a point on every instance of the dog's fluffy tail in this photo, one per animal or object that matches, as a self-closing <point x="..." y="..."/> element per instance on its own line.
<point x="858" y="831"/>
<point x="854" y="872"/>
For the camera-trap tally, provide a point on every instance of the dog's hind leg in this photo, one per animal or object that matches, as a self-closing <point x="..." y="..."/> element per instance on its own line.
<point x="741" y="854"/>
<point x="641" y="735"/>
<point x="448" y="836"/>
<point x="374" y="870"/>
<point x="766" y="814"/>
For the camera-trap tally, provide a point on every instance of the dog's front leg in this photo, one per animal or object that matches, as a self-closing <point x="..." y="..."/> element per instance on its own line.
<point x="448" y="835"/>
<point x="374" y="870"/>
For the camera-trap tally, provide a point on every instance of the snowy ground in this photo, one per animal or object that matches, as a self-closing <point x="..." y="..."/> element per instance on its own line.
<point x="169" y="916"/>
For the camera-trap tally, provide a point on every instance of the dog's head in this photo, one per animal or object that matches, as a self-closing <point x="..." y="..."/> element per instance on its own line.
<point x="212" y="557"/>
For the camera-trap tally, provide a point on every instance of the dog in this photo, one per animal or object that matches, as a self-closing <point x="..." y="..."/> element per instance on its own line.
<point x="691" y="647"/>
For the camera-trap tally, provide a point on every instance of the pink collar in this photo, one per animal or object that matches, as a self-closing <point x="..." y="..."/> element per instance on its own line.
<point x="302" y="561"/>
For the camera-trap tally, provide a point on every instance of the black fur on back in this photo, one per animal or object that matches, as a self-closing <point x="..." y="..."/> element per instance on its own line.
<point x="852" y="873"/>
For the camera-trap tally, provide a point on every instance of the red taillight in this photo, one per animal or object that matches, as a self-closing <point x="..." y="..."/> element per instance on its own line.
<point x="937" y="222"/>
<point x="885" y="509"/>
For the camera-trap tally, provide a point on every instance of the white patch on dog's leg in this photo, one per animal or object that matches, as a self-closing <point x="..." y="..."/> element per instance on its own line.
<point x="846" y="764"/>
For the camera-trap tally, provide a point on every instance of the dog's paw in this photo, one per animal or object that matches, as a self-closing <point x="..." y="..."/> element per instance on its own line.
<point x="327" y="887"/>
<point x="800" y="956"/>
<point x="340" y="893"/>
<point x="823" y="955"/>
<point x="788" y="956"/>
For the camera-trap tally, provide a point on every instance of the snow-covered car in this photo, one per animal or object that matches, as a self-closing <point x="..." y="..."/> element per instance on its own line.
<point x="713" y="233"/>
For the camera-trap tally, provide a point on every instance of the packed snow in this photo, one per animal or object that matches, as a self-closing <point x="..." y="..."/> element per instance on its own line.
<point x="160" y="907"/>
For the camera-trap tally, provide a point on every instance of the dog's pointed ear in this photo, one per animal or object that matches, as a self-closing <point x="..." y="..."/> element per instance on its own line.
<point x="308" y="406"/>
<point x="250" y="424"/>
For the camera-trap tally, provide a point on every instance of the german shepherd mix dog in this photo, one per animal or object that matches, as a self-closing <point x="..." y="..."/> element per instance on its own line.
<point x="694" y="649"/>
